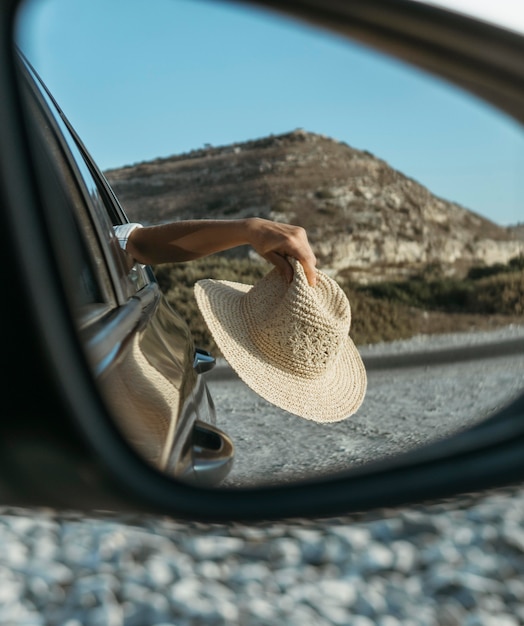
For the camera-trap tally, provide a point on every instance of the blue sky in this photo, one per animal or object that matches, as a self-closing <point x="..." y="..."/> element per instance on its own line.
<point x="141" y="79"/>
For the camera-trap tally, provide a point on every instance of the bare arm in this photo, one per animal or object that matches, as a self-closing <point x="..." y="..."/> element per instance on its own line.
<point x="193" y="239"/>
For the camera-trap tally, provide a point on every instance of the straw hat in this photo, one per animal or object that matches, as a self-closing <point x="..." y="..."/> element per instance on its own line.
<point x="289" y="342"/>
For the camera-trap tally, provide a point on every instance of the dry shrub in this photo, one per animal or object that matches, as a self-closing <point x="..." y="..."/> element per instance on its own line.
<point x="177" y="282"/>
<point x="384" y="312"/>
<point x="503" y="293"/>
<point x="372" y="319"/>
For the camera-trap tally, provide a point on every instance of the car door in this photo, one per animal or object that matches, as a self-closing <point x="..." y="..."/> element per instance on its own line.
<point x="140" y="350"/>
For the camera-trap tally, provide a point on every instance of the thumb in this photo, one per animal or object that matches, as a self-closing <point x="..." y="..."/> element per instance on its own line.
<point x="282" y="265"/>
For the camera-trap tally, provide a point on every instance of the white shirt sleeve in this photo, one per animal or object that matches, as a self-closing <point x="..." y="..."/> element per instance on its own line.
<point x="122" y="232"/>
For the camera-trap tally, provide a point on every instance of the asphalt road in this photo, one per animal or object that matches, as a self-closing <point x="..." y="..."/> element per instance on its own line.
<point x="415" y="396"/>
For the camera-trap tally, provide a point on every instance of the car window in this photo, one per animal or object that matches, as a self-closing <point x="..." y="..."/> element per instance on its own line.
<point x="95" y="206"/>
<point x="92" y="293"/>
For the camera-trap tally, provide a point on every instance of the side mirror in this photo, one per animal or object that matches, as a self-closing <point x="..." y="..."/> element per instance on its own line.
<point x="204" y="361"/>
<point x="60" y="444"/>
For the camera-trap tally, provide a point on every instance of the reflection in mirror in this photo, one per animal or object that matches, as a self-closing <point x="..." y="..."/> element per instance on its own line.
<point x="408" y="189"/>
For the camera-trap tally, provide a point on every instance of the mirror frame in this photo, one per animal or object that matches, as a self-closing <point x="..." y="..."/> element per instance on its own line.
<point x="77" y="458"/>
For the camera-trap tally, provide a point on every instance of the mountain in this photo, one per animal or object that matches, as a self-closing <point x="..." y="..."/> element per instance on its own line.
<point x="362" y="216"/>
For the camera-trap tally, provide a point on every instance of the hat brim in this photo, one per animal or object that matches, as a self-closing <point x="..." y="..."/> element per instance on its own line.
<point x="331" y="397"/>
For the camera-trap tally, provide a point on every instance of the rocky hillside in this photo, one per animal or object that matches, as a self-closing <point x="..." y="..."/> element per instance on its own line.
<point x="362" y="216"/>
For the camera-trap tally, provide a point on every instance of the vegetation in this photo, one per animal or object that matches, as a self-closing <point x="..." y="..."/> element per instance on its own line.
<point x="496" y="289"/>
<point x="380" y="312"/>
<point x="177" y="281"/>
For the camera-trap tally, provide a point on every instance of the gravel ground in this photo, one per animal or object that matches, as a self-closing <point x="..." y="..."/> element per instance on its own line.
<point x="404" y="408"/>
<point x="455" y="563"/>
<point x="458" y="564"/>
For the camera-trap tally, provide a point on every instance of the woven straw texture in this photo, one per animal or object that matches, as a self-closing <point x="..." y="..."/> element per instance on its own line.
<point x="289" y="342"/>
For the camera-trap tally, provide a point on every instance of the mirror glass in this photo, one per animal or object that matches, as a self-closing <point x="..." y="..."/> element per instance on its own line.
<point x="410" y="191"/>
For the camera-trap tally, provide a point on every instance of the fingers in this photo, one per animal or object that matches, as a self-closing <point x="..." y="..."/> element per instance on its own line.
<point x="311" y="272"/>
<point x="299" y="248"/>
<point x="282" y="264"/>
<point x="286" y="269"/>
<point x="276" y="241"/>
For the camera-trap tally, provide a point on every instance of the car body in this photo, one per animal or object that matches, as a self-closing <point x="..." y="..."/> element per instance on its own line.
<point x="140" y="349"/>
<point x="60" y="445"/>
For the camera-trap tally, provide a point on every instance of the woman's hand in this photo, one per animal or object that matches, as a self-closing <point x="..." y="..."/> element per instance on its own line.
<point x="275" y="241"/>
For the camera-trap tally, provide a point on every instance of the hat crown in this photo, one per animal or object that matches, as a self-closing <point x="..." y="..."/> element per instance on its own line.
<point x="300" y="328"/>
